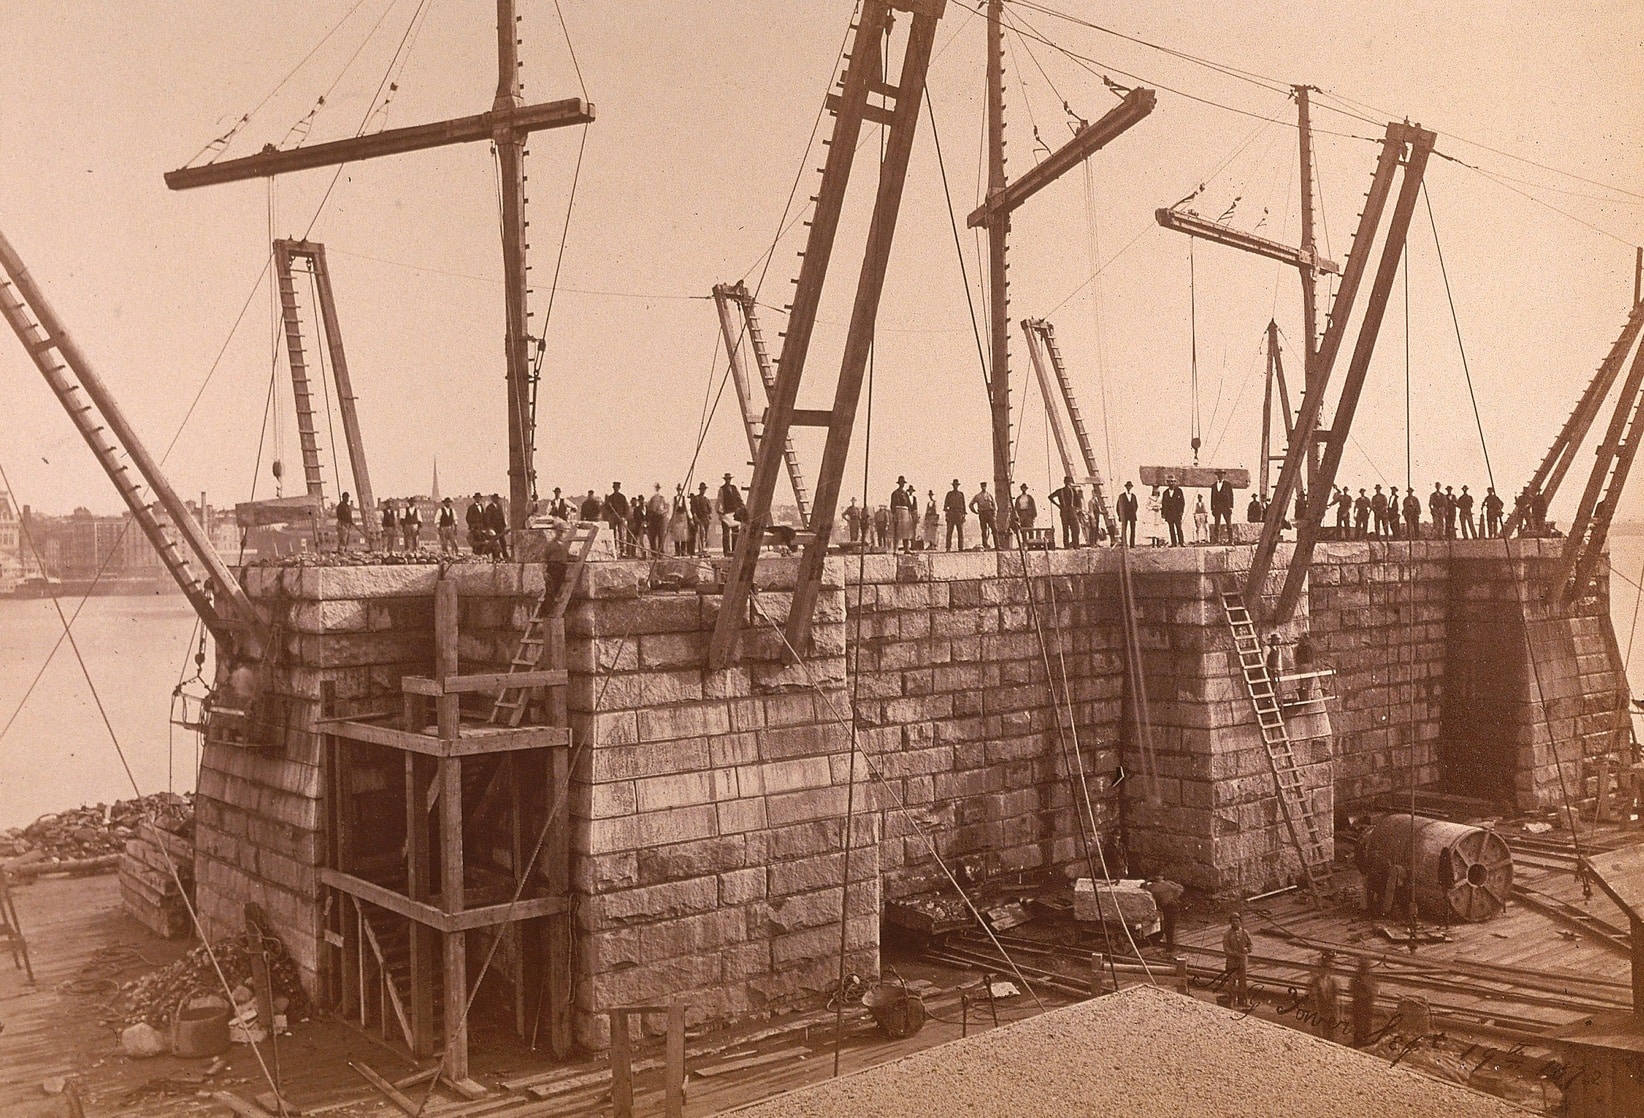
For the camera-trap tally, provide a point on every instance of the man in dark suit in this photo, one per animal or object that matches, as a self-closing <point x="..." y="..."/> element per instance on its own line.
<point x="954" y="507"/>
<point x="1221" y="510"/>
<point x="1069" y="501"/>
<point x="496" y="522"/>
<point x="1126" y="509"/>
<point x="1172" y="506"/>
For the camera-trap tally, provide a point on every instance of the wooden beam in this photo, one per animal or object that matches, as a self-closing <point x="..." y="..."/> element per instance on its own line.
<point x="392" y="141"/>
<point x="482" y="681"/>
<point x="452" y="851"/>
<point x="527" y="908"/>
<point x="1195" y="226"/>
<point x="474" y="740"/>
<point x="1341" y="423"/>
<point x="1087" y="142"/>
<point x="1296" y="455"/>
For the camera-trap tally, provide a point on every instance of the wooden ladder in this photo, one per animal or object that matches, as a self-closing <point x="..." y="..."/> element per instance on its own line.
<point x="1300" y="820"/>
<point x="536" y="651"/>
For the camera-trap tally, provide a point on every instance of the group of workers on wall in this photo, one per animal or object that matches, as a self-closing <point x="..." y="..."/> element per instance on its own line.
<point x="685" y="523"/>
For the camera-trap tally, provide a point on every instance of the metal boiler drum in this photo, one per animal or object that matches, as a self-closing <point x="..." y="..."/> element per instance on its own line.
<point x="1461" y="873"/>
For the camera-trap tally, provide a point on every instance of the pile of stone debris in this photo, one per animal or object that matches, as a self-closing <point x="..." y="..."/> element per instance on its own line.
<point x="90" y="834"/>
<point x="153" y="998"/>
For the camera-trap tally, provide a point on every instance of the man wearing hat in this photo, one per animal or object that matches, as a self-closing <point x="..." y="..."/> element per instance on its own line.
<point x="953" y="510"/>
<point x="702" y="514"/>
<point x="1126" y="508"/>
<point x="1069" y="501"/>
<point x="1173" y="506"/>
<point x="1221" y="510"/>
<point x="616" y="517"/>
<point x="731" y="514"/>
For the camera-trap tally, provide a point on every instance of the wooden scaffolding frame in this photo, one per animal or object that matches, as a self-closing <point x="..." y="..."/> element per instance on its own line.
<point x="392" y="941"/>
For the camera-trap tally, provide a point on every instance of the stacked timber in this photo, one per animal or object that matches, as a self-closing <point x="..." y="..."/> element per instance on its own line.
<point x="156" y="875"/>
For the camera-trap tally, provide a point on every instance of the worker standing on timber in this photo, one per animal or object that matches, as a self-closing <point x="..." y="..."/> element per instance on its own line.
<point x="679" y="522"/>
<point x="954" y="507"/>
<point x="732" y="512"/>
<point x="901" y="506"/>
<point x="1168" y="896"/>
<point x="390" y="526"/>
<point x="345" y="521"/>
<point x="933" y="521"/>
<point x="1275" y="662"/>
<point x="656" y="519"/>
<point x="1069" y="502"/>
<point x="1492" y="513"/>
<point x="447" y="525"/>
<point x="1362" y="991"/>
<point x="1464" y="512"/>
<point x="983" y="506"/>
<point x="1236" y="946"/>
<point x="1304" y="667"/>
<point x="475" y="519"/>
<point x="1173" y="506"/>
<point x="496" y="522"/>
<point x="1324" y="996"/>
<point x="853" y="521"/>
<point x="1127" y="511"/>
<point x="702" y="517"/>
<point x="616" y="518"/>
<point x="556" y="559"/>
<point x="1221" y="510"/>
<point x="411" y="526"/>
<point x="1412" y="514"/>
<point x="1026" y="509"/>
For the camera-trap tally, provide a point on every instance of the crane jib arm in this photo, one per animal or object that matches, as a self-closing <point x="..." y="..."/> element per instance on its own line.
<point x="1086" y="142"/>
<point x="391" y="141"/>
<point x="199" y="571"/>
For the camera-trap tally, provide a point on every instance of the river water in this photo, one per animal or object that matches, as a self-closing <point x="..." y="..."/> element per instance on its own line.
<point x="58" y="752"/>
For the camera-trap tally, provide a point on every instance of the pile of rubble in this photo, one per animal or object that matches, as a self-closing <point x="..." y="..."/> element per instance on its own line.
<point x="93" y="832"/>
<point x="153" y="998"/>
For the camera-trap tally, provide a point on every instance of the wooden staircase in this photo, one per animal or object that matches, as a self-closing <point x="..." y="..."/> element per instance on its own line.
<point x="1305" y="827"/>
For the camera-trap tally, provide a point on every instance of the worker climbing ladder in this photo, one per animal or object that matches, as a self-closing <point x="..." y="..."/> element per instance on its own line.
<point x="1306" y="832"/>
<point x="542" y="646"/>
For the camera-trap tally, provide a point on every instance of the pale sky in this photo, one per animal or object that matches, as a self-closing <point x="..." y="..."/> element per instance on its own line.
<point x="703" y="113"/>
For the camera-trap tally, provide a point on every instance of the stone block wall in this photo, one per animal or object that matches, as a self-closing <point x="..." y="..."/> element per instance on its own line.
<point x="955" y="709"/>
<point x="1211" y="818"/>
<point x="1379" y="615"/>
<point x="1536" y="691"/>
<point x="709" y="804"/>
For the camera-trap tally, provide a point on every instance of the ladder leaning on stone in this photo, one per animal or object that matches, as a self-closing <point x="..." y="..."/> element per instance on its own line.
<point x="1301" y="821"/>
<point x="535" y="649"/>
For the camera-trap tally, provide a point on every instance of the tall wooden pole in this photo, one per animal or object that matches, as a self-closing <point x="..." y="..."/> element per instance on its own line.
<point x="511" y="159"/>
<point x="998" y="237"/>
<point x="1309" y="274"/>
